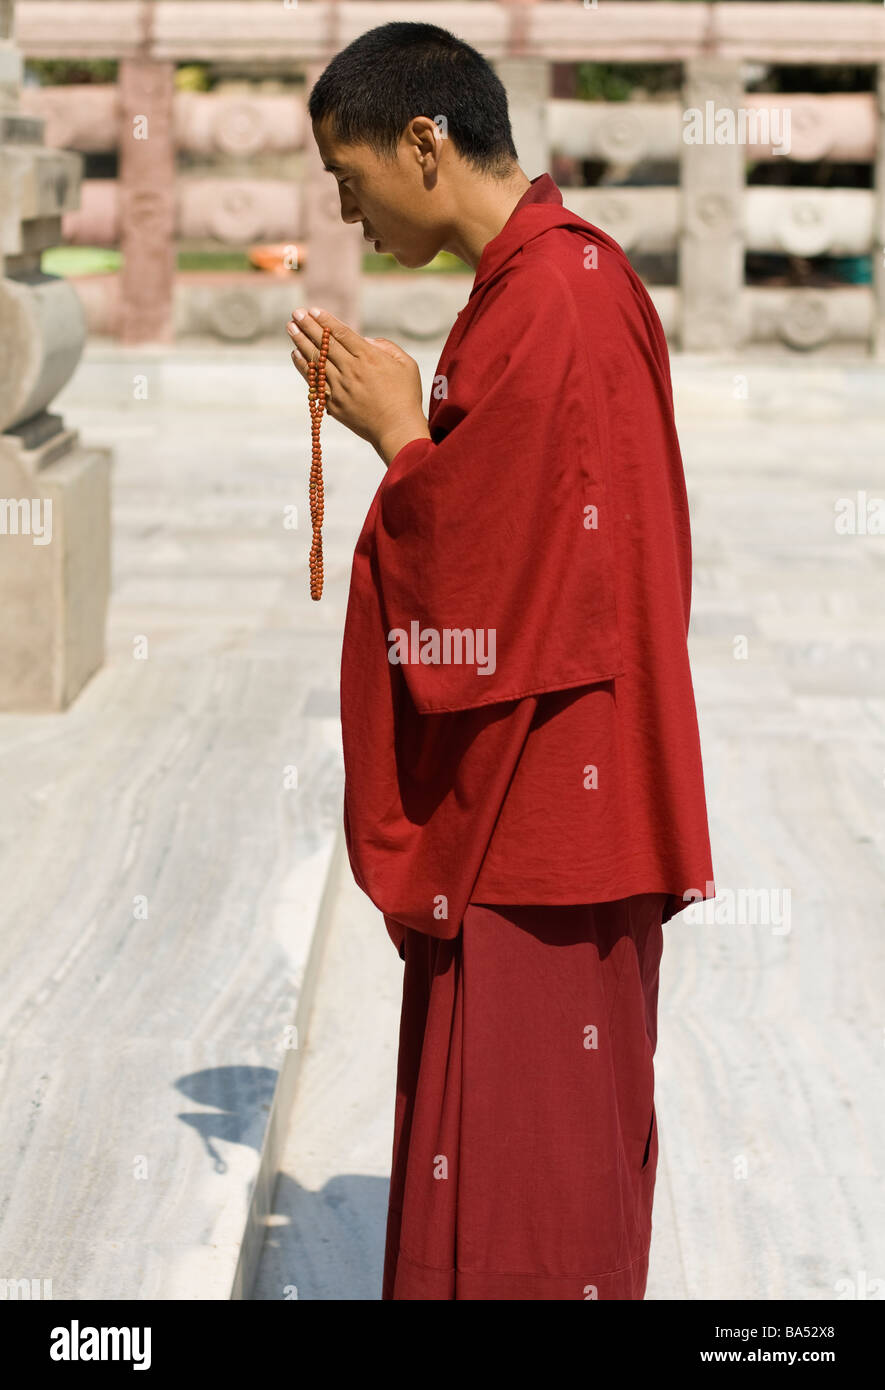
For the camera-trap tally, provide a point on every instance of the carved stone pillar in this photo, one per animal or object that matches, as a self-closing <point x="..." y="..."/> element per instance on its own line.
<point x="527" y="81"/>
<point x="711" y="260"/>
<point x="54" y="495"/>
<point x="147" y="200"/>
<point x="333" y="273"/>
<point x="565" y="169"/>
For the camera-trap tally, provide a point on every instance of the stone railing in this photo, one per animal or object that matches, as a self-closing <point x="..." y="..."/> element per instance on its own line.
<point x="55" y="503"/>
<point x="217" y="169"/>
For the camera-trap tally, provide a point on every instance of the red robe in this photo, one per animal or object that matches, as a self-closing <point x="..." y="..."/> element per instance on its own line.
<point x="525" y="1134"/>
<point x="546" y="751"/>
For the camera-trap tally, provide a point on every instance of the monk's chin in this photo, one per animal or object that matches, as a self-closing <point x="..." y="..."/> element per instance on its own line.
<point x="413" y="260"/>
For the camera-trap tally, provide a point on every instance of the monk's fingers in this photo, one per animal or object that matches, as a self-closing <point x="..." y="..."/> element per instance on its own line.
<point x="344" y="342"/>
<point x="310" y="350"/>
<point x="299" y="362"/>
<point x="304" y="342"/>
<point x="392" y="349"/>
<point x="342" y="338"/>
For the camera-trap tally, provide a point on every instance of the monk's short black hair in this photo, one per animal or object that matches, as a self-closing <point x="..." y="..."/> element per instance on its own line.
<point x="386" y="77"/>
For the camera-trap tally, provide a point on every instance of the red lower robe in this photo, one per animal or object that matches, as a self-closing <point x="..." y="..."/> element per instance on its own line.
<point x="525" y="1140"/>
<point x="519" y="728"/>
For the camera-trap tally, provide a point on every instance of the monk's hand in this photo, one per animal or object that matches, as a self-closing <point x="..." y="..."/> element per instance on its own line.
<point x="372" y="386"/>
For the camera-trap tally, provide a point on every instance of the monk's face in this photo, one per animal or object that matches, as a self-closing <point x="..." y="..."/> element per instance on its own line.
<point x="396" y="200"/>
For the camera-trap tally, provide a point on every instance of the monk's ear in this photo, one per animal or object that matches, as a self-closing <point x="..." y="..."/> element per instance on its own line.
<point x="428" y="141"/>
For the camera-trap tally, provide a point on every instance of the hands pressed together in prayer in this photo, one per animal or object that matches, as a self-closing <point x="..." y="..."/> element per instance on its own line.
<point x="372" y="386"/>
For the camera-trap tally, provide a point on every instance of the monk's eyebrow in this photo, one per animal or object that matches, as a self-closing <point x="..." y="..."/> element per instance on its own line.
<point x="333" y="168"/>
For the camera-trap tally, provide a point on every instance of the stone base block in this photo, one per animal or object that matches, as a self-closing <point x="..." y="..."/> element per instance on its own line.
<point x="55" y="567"/>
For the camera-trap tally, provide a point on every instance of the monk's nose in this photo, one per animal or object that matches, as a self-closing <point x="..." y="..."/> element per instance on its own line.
<point x="349" y="210"/>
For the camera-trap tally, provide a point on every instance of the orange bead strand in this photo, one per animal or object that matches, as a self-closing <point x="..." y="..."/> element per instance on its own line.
<point x="316" y="400"/>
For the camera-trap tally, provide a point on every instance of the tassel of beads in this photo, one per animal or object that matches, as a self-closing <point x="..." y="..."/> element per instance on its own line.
<point x="316" y="400"/>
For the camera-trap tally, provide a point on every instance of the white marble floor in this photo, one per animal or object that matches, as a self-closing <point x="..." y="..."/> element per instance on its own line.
<point x="771" y="1047"/>
<point x="141" y="1054"/>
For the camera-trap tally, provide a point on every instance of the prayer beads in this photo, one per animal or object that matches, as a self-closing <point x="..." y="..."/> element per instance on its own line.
<point x="316" y="400"/>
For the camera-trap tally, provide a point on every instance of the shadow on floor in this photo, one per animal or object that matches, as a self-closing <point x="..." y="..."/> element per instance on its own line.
<point x="242" y="1099"/>
<point x="327" y="1244"/>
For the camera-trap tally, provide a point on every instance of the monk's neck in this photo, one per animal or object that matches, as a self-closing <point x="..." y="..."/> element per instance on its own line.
<point x="487" y="205"/>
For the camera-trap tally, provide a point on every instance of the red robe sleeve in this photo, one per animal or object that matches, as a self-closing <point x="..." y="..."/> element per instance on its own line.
<point x="498" y="525"/>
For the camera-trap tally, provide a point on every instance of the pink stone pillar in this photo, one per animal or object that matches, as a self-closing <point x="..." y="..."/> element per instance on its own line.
<point x="711" y="253"/>
<point x="564" y="84"/>
<point x="332" y="276"/>
<point x="147" y="200"/>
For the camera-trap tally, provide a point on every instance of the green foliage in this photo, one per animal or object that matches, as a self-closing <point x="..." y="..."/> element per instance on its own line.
<point x="445" y="262"/>
<point x="213" y="260"/>
<point x="621" y="81"/>
<point x="816" y="77"/>
<point x="634" y="81"/>
<point x="54" y="72"/>
<point x="192" y="77"/>
<point x="79" y="260"/>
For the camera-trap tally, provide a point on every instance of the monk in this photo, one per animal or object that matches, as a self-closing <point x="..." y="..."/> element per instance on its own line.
<point x="524" y="796"/>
